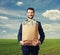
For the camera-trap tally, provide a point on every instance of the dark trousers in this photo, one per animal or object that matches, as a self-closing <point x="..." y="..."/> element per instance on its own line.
<point x="27" y="50"/>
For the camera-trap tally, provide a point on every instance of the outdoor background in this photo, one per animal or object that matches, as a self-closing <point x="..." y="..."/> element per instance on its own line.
<point x="13" y="13"/>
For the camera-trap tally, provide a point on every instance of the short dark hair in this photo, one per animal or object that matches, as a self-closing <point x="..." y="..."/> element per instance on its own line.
<point x="31" y="9"/>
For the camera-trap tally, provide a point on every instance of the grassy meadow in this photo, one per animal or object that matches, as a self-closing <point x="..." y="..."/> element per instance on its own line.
<point x="11" y="47"/>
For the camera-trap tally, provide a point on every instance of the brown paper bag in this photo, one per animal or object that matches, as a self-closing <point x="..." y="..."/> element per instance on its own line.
<point x="29" y="31"/>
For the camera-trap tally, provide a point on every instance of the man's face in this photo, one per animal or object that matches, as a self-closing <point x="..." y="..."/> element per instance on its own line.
<point x="30" y="14"/>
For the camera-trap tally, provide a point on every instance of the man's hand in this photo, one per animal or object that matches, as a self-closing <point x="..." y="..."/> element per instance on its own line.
<point x="22" y="42"/>
<point x="26" y="42"/>
<point x="30" y="43"/>
<point x="36" y="43"/>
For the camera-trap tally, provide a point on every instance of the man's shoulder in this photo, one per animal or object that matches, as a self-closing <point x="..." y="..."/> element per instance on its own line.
<point x="38" y="22"/>
<point x="24" y="22"/>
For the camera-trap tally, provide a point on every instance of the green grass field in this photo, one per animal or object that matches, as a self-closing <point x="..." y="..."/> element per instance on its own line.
<point x="11" y="47"/>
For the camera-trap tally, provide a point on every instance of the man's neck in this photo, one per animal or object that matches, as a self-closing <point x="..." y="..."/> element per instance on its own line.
<point x="29" y="19"/>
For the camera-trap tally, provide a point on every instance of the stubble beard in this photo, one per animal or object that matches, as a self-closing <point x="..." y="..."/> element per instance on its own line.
<point x="30" y="17"/>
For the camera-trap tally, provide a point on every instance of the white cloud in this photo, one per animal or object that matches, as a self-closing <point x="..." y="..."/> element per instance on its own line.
<point x="9" y="36"/>
<point x="3" y="18"/>
<point x="52" y="14"/>
<point x="19" y="13"/>
<point x="47" y="27"/>
<point x="11" y="26"/>
<point x="19" y="3"/>
<point x="51" y="30"/>
<point x="4" y="31"/>
<point x="51" y="27"/>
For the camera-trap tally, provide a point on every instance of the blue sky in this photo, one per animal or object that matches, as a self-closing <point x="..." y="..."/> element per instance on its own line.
<point x="13" y="13"/>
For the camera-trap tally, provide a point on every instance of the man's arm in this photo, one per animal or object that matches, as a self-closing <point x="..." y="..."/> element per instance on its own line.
<point x="20" y="34"/>
<point x="41" y="33"/>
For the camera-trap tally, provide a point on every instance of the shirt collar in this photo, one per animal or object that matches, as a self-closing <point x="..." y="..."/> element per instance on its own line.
<point x="30" y="19"/>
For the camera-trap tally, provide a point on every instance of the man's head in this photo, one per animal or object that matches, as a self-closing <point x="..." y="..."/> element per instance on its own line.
<point x="30" y="13"/>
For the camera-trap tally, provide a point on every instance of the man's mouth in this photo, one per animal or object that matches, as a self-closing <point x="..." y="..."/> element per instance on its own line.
<point x="30" y="15"/>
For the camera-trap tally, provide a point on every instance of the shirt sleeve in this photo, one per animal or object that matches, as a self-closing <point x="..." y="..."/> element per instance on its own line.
<point x="20" y="34"/>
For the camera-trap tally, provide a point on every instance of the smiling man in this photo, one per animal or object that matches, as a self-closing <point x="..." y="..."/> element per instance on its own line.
<point x="28" y="34"/>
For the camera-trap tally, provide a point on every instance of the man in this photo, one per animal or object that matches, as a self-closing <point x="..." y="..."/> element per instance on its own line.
<point x="34" y="47"/>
